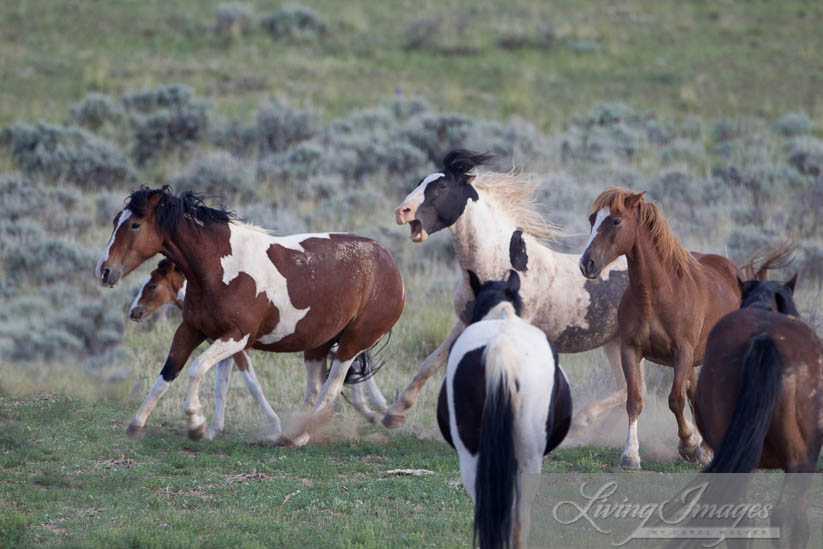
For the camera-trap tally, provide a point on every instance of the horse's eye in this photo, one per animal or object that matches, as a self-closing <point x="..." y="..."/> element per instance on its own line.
<point x="152" y="286"/>
<point x="135" y="225"/>
<point x="617" y="221"/>
<point x="442" y="184"/>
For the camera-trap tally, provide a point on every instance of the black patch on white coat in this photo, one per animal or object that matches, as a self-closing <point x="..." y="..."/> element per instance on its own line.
<point x="560" y="410"/>
<point x="601" y="316"/>
<point x="469" y="395"/>
<point x="443" y="414"/>
<point x="444" y="201"/>
<point x="170" y="370"/>
<point x="517" y="251"/>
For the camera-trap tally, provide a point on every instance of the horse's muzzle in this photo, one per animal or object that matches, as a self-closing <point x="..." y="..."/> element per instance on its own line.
<point x="589" y="267"/>
<point x="108" y="278"/>
<point x="136" y="314"/>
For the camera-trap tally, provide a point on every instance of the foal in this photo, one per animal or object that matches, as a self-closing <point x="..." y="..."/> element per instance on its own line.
<point x="505" y="403"/>
<point x="166" y="285"/>
<point x="673" y="300"/>
<point x="247" y="288"/>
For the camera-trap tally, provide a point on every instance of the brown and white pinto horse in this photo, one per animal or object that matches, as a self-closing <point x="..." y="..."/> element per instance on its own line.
<point x="166" y="285"/>
<point x="674" y="299"/>
<point x="495" y="228"/>
<point x="247" y="288"/>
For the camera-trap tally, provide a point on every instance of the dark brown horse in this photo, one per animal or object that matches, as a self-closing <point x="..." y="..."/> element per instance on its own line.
<point x="773" y="362"/>
<point x="673" y="300"/>
<point x="247" y="288"/>
<point x="759" y="402"/>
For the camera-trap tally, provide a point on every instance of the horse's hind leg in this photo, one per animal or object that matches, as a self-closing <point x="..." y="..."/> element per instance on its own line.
<point x="221" y="389"/>
<point x="592" y="411"/>
<point x="375" y="396"/>
<point x="395" y="415"/>
<point x="253" y="386"/>
<point x="359" y="403"/>
<point x="217" y="351"/>
<point x="185" y="340"/>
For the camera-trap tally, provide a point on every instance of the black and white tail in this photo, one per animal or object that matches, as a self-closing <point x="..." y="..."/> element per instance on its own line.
<point x="496" y="483"/>
<point x="742" y="445"/>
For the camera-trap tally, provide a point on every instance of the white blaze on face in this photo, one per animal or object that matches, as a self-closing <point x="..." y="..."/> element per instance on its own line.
<point x="124" y="215"/>
<point x="601" y="215"/>
<point x="139" y="294"/>
<point x="416" y="197"/>
<point x="249" y="247"/>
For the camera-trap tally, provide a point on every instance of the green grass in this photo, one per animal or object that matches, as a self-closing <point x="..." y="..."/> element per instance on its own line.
<point x="71" y="477"/>
<point x="675" y="59"/>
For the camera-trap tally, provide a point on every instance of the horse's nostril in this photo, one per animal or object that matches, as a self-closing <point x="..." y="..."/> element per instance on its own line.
<point x="106" y="273"/>
<point x="406" y="210"/>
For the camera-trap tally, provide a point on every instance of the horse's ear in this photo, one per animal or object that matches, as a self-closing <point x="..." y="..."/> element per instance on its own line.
<point x="791" y="283"/>
<point x="513" y="281"/>
<point x="474" y="282"/>
<point x="635" y="199"/>
<point x="747" y="286"/>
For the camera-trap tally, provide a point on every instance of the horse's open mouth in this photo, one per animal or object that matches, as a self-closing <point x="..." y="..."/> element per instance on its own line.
<point x="417" y="232"/>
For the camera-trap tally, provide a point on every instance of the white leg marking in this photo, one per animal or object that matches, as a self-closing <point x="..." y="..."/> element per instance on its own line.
<point x="221" y="388"/>
<point x="315" y="372"/>
<point x="632" y="449"/>
<point x="602" y="214"/>
<point x="333" y="385"/>
<point x="124" y="215"/>
<point x="375" y="396"/>
<point x="257" y="393"/>
<point x="216" y="352"/>
<point x="358" y="401"/>
<point x="155" y="393"/>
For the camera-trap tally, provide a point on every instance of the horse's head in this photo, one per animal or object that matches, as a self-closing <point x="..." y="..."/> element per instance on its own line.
<point x="489" y="296"/>
<point x="440" y="198"/>
<point x="135" y="238"/>
<point x="613" y="223"/>
<point x="163" y="286"/>
<point x="770" y="295"/>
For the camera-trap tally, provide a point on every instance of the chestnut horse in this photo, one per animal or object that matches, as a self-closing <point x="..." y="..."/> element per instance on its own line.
<point x="166" y="285"/>
<point x="496" y="228"/>
<point x="674" y="299"/>
<point x="247" y="288"/>
<point x="773" y="362"/>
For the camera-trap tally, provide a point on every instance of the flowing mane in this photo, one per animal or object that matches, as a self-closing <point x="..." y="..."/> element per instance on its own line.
<point x="171" y="209"/>
<point x="516" y="193"/>
<point x="671" y="251"/>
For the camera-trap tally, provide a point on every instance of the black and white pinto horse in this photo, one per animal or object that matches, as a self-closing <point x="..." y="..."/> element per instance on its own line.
<point x="506" y="404"/>
<point x="495" y="227"/>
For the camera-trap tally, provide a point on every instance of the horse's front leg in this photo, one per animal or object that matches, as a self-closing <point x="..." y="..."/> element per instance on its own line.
<point x="221" y="389"/>
<point x="221" y="348"/>
<point x="185" y="340"/>
<point x="395" y="416"/>
<point x="630" y="359"/>
<point x="255" y="390"/>
<point x="689" y="446"/>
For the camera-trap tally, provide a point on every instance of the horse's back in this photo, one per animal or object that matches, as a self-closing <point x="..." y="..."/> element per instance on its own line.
<point x="798" y="410"/>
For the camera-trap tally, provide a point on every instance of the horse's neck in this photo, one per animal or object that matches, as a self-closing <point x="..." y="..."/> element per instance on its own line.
<point x="646" y="270"/>
<point x="482" y="236"/>
<point x="186" y="249"/>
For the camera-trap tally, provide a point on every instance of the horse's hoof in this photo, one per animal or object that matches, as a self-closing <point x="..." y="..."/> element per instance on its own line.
<point x="135" y="431"/>
<point x="197" y="433"/>
<point x="393" y="421"/>
<point x="706" y="456"/>
<point x="692" y="455"/>
<point x="301" y="440"/>
<point x="629" y="463"/>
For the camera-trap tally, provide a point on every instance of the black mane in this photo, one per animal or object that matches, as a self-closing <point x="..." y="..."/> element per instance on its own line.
<point x="171" y="209"/>
<point x="460" y="162"/>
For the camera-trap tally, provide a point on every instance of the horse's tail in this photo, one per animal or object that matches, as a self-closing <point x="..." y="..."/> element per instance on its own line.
<point x="363" y="366"/>
<point x="742" y="445"/>
<point x="496" y="483"/>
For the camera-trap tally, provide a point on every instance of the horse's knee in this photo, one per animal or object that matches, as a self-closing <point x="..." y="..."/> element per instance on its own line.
<point x="677" y="401"/>
<point x="634" y="405"/>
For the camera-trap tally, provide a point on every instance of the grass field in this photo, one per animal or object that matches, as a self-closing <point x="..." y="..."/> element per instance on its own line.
<point x="713" y="107"/>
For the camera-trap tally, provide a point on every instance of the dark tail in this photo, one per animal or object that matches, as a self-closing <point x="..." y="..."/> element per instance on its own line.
<point x="363" y="366"/>
<point x="496" y="482"/>
<point x="742" y="445"/>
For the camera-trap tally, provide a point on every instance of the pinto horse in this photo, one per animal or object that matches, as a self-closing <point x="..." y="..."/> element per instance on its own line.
<point x="166" y="285"/>
<point x="773" y="362"/>
<point x="674" y="299"/>
<point x="247" y="288"/>
<point x="505" y="404"/>
<point x="495" y="228"/>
